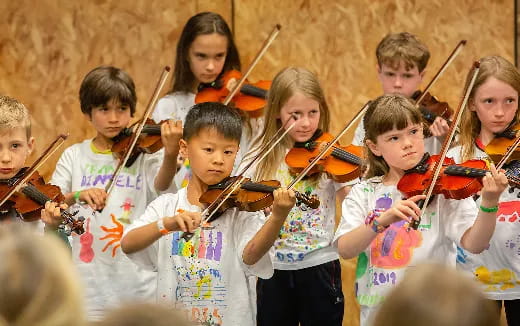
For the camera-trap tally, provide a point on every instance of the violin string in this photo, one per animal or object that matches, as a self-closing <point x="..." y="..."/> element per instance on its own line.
<point x="329" y="145"/>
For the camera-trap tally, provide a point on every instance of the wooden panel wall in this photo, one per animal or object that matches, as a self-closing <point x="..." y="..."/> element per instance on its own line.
<point x="47" y="46"/>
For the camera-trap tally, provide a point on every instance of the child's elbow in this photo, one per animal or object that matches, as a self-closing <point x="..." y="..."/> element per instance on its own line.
<point x="126" y="245"/>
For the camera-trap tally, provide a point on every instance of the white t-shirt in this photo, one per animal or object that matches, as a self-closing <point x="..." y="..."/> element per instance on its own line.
<point x="306" y="236"/>
<point x="176" y="106"/>
<point x="383" y="264"/>
<point x="108" y="276"/>
<point x="497" y="268"/>
<point x="432" y="144"/>
<point x="205" y="277"/>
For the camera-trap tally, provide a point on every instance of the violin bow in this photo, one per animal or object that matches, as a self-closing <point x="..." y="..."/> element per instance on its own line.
<point x="51" y="149"/>
<point x="443" y="68"/>
<point x="510" y="150"/>
<point x="233" y="186"/>
<point x="267" y="43"/>
<point x="445" y="146"/>
<point x="329" y="146"/>
<point x="151" y="105"/>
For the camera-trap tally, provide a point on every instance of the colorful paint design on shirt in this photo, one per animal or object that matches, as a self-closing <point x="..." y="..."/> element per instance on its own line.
<point x="201" y="291"/>
<point x="97" y="176"/>
<point x="394" y="247"/>
<point x="114" y="233"/>
<point x="502" y="279"/>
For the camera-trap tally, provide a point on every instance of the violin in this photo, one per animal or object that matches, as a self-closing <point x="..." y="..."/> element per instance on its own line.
<point x="431" y="107"/>
<point x="251" y="98"/>
<point x="342" y="163"/>
<point x="251" y="196"/>
<point x="148" y="142"/>
<point x="456" y="181"/>
<point x="502" y="141"/>
<point x="31" y="199"/>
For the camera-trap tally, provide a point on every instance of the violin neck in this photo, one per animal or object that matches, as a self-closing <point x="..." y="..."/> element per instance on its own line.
<point x="343" y="155"/>
<point x="462" y="171"/>
<point x="254" y="91"/>
<point x="258" y="187"/>
<point x="152" y="129"/>
<point x="36" y="195"/>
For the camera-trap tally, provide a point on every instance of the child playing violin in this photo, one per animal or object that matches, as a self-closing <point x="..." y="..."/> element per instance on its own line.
<point x="16" y="144"/>
<point x="207" y="277"/>
<point x="493" y="107"/>
<point x="375" y="219"/>
<point x="401" y="65"/>
<point x="306" y="286"/>
<point x="108" y="100"/>
<point x="205" y="51"/>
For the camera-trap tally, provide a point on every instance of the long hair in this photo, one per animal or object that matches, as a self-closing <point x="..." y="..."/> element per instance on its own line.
<point x="384" y="114"/>
<point x="490" y="66"/>
<point x="203" y="23"/>
<point x="287" y="83"/>
<point x="38" y="282"/>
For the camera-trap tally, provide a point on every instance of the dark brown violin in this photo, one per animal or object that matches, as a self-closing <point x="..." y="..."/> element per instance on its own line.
<point x="342" y="163"/>
<point x="251" y="196"/>
<point x="148" y="142"/>
<point x="31" y="199"/>
<point x="431" y="107"/>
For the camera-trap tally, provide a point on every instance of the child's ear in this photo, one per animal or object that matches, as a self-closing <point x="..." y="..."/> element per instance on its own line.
<point x="183" y="148"/>
<point x="422" y="73"/>
<point x="373" y="147"/>
<point x="30" y="145"/>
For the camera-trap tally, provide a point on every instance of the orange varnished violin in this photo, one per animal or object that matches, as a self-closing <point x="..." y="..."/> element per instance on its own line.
<point x="251" y="98"/>
<point x="502" y="141"/>
<point x="342" y="163"/>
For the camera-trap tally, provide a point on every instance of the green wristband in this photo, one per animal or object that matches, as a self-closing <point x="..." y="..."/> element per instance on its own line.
<point x="493" y="209"/>
<point x="76" y="196"/>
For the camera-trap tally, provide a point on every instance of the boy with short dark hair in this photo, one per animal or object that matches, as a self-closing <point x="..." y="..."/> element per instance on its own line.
<point x="208" y="276"/>
<point x="108" y="99"/>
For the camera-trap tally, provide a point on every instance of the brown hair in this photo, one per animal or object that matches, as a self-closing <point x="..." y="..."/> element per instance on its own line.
<point x="384" y="114"/>
<point x="287" y="83"/>
<point x="405" y="47"/>
<point x="14" y="114"/>
<point x="490" y="66"/>
<point x="203" y="23"/>
<point x="437" y="295"/>
<point x="106" y="83"/>
<point x="38" y="282"/>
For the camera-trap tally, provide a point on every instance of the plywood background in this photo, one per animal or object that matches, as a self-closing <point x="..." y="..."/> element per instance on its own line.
<point x="47" y="46"/>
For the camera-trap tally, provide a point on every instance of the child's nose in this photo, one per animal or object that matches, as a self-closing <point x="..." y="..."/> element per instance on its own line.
<point x="5" y="156"/>
<point x="211" y="65"/>
<point x="398" y="82"/>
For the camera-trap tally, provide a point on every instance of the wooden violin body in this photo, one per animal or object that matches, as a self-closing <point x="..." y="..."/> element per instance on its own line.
<point x="502" y="141"/>
<point x="457" y="181"/>
<point x="251" y="98"/>
<point x="342" y="163"/>
<point x="431" y="107"/>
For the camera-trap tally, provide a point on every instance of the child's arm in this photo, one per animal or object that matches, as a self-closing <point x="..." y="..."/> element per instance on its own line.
<point x="171" y="133"/>
<point x="351" y="244"/>
<point x="477" y="237"/>
<point x="284" y="201"/>
<point x="142" y="237"/>
<point x="94" y="197"/>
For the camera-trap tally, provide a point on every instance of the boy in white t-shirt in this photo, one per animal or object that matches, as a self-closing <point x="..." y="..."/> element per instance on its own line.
<point x="108" y="100"/>
<point x="208" y="276"/>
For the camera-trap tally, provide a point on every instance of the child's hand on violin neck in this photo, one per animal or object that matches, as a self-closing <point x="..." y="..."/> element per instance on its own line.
<point x="406" y="209"/>
<point x="51" y="214"/>
<point x="439" y="127"/>
<point x="184" y="221"/>
<point x="94" y="197"/>
<point x="284" y="201"/>
<point x="494" y="182"/>
<point x="171" y="133"/>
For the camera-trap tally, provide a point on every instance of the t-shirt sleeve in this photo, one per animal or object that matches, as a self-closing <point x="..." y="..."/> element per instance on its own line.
<point x="148" y="257"/>
<point x="62" y="176"/>
<point x="164" y="109"/>
<point x="353" y="212"/>
<point x="459" y="216"/>
<point x="246" y="226"/>
<point x="152" y="165"/>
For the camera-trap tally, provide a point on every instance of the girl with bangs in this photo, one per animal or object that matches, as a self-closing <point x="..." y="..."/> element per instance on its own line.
<point x="306" y="286"/>
<point x="375" y="219"/>
<point x="493" y="108"/>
